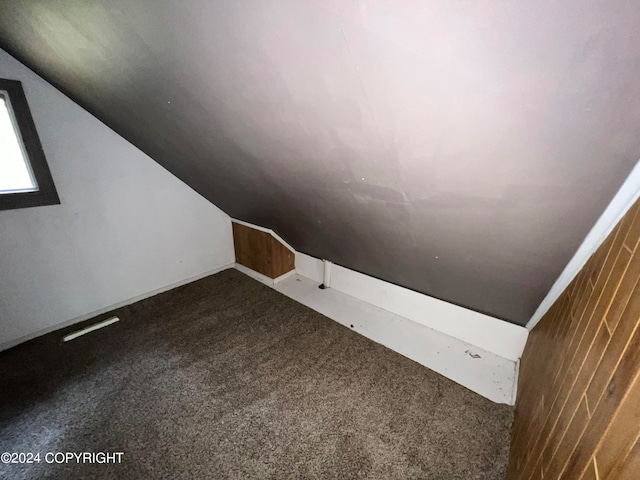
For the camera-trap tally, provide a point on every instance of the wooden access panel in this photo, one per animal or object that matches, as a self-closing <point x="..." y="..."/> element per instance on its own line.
<point x="578" y="408"/>
<point x="261" y="252"/>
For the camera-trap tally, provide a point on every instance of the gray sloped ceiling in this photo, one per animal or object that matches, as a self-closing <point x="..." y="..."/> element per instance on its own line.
<point x="462" y="149"/>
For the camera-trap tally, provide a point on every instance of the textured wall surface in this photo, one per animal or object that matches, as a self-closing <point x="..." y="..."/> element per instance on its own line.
<point x="460" y="149"/>
<point x="578" y="408"/>
<point x="124" y="227"/>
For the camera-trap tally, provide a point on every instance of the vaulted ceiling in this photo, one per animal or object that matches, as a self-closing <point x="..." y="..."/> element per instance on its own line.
<point x="460" y="149"/>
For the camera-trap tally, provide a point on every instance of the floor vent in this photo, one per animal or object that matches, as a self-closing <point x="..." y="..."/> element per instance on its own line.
<point x="92" y="328"/>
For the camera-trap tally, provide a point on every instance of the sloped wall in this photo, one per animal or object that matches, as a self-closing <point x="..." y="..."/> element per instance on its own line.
<point x="578" y="407"/>
<point x="459" y="149"/>
<point x="125" y="226"/>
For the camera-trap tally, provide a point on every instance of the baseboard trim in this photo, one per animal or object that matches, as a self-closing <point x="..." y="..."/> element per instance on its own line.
<point x="439" y="335"/>
<point x="483" y="372"/>
<point x="261" y="277"/>
<point x="253" y="274"/>
<point x="490" y="334"/>
<point x="124" y="303"/>
<point x="515" y="382"/>
<point x="284" y="276"/>
<point x="483" y="331"/>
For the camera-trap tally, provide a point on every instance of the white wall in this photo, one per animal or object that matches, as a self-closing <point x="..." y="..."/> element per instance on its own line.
<point x="496" y="336"/>
<point x="490" y="334"/>
<point x="125" y="227"/>
<point x="483" y="372"/>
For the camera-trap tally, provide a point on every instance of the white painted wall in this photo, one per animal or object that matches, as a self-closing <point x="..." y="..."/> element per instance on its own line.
<point x="125" y="228"/>
<point x="490" y="334"/>
<point x="475" y="350"/>
<point x="487" y="374"/>
<point x="496" y="336"/>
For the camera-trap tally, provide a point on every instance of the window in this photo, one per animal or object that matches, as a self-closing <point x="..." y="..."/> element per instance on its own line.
<point x="25" y="179"/>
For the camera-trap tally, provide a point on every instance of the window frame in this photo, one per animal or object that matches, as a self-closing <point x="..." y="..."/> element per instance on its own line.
<point x="46" y="193"/>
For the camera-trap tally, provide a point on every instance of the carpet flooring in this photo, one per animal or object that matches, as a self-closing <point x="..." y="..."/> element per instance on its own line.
<point x="226" y="378"/>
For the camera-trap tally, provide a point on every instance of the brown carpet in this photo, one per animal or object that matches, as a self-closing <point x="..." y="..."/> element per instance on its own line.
<point x="226" y="378"/>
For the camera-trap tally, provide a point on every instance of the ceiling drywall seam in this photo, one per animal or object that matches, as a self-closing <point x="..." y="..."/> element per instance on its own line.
<point x="621" y="202"/>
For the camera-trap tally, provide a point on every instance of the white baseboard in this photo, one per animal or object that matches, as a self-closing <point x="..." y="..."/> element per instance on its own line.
<point x="475" y="350"/>
<point x="490" y="334"/>
<point x="255" y="275"/>
<point x="483" y="372"/>
<point x="263" y="278"/>
<point x="515" y="383"/>
<point x="124" y="303"/>
<point x="284" y="277"/>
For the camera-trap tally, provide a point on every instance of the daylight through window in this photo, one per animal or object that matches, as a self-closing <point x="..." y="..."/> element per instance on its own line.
<point x="15" y="171"/>
<point x="25" y="178"/>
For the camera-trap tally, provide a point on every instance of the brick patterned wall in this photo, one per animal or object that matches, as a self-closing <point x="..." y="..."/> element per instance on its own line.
<point x="578" y="408"/>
